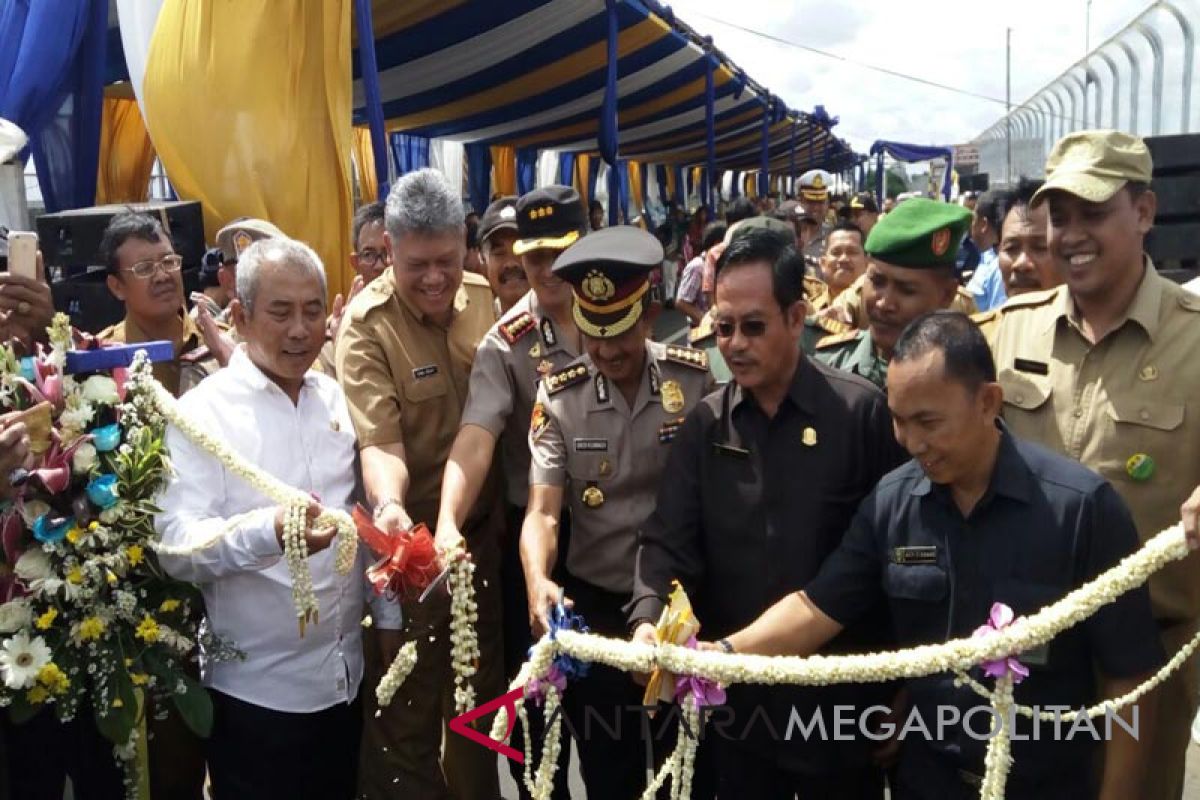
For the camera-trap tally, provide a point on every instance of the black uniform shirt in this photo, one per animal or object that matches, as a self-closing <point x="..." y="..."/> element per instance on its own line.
<point x="1044" y="526"/>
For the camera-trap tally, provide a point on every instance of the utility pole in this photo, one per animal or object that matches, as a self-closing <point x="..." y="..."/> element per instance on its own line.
<point x="1008" y="104"/>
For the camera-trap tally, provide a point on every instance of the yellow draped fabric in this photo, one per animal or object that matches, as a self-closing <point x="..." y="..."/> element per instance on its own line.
<point x="582" y="161"/>
<point x="635" y="189"/>
<point x="504" y="170"/>
<point x="126" y="154"/>
<point x="276" y="145"/>
<point x="364" y="159"/>
<point x="750" y="188"/>
<point x="697" y="177"/>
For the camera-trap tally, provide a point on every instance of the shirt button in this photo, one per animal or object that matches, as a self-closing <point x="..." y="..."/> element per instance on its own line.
<point x="1019" y="398"/>
<point x="1078" y="412"/>
<point x="1143" y="415"/>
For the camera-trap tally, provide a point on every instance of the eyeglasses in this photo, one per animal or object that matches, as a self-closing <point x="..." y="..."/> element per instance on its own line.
<point x="370" y="258"/>
<point x="146" y="269"/>
<point x="750" y="328"/>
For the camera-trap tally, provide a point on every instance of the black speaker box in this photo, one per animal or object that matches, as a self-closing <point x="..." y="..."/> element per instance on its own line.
<point x="71" y="239"/>
<point x="85" y="298"/>
<point x="1174" y="243"/>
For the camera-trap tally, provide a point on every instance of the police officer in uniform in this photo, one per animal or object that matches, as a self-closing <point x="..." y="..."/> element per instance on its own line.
<point x="814" y="202"/>
<point x="910" y="272"/>
<point x="535" y="337"/>
<point x="1103" y="369"/>
<point x="979" y="516"/>
<point x="599" y="436"/>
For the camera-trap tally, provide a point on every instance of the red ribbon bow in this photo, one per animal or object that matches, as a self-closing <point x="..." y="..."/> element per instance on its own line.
<point x="408" y="560"/>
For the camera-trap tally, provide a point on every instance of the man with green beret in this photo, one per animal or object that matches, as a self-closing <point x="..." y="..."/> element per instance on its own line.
<point x="910" y="272"/>
<point x="1103" y="369"/>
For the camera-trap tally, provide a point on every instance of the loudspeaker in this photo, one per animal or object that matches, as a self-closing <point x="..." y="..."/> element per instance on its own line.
<point x="71" y="239"/>
<point x="1174" y="242"/>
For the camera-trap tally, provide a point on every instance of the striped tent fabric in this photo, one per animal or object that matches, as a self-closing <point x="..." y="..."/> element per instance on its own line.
<point x="532" y="74"/>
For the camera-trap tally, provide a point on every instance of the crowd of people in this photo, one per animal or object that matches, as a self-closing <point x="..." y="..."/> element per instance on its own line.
<point x="868" y="440"/>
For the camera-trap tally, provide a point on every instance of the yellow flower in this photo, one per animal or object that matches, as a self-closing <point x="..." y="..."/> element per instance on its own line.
<point x="168" y="605"/>
<point x="91" y="629"/>
<point x="46" y="620"/>
<point x="74" y="535"/>
<point x="139" y="678"/>
<point x="147" y="629"/>
<point x="37" y="695"/>
<point x="53" y="678"/>
<point x="118" y="702"/>
<point x="93" y="525"/>
<point x="135" y="553"/>
<point x="111" y="577"/>
<point x="75" y="575"/>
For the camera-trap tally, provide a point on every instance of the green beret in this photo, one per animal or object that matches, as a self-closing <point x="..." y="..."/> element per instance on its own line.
<point x="919" y="234"/>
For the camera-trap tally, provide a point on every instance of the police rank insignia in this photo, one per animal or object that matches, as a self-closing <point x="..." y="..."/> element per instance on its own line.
<point x="592" y="497"/>
<point x="241" y="240"/>
<point x="517" y="327"/>
<point x="557" y="381"/>
<point x="598" y="287"/>
<point x="667" y="431"/>
<point x="536" y="350"/>
<point x="538" y="421"/>
<point x="672" y="397"/>
<point x="690" y="356"/>
<point x="544" y="367"/>
<point x="809" y="437"/>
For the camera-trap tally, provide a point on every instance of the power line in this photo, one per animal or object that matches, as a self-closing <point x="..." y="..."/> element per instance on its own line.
<point x="826" y="54"/>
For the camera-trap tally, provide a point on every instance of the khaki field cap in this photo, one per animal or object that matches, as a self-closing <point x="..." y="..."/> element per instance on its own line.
<point x="1095" y="165"/>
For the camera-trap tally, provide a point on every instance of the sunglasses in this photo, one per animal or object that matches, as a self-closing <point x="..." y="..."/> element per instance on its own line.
<point x="750" y="328"/>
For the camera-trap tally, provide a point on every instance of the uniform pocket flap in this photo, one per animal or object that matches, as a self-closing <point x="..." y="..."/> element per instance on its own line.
<point x="1163" y="415"/>
<point x="917" y="582"/>
<point x="418" y="389"/>
<point x="1023" y="390"/>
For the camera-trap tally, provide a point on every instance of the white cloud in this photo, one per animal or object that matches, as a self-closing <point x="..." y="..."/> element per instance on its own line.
<point x="948" y="42"/>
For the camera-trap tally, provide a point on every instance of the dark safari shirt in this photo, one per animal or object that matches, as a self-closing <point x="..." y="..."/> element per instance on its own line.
<point x="1045" y="526"/>
<point x="751" y="509"/>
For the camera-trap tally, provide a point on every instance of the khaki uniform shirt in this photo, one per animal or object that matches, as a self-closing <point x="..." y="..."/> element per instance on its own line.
<point x="1133" y="395"/>
<point x="518" y="351"/>
<point x="193" y="361"/>
<point x="405" y="378"/>
<point x="854" y="351"/>
<point x="608" y="457"/>
<point x="851" y="300"/>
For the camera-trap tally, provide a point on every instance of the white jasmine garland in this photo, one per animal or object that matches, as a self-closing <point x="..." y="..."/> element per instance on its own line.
<point x="402" y="665"/>
<point x="464" y="642"/>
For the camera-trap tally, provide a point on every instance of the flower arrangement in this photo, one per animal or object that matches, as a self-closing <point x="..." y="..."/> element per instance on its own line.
<point x="88" y="618"/>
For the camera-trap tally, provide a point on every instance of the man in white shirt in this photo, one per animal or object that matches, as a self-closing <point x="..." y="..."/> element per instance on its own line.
<point x="287" y="720"/>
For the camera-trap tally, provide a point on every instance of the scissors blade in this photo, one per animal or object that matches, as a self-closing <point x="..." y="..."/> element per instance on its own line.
<point x="435" y="583"/>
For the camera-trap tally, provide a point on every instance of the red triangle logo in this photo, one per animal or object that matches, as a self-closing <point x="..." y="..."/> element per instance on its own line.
<point x="461" y="724"/>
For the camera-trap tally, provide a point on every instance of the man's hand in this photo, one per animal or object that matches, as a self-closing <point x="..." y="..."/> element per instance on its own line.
<point x="14" y="450"/>
<point x="1190" y="512"/>
<point x="316" y="540"/>
<point x="26" y="306"/>
<point x="645" y="633"/>
<point x="333" y="324"/>
<point x="449" y="539"/>
<point x="544" y="595"/>
<point x="216" y="340"/>
<point x="393" y="519"/>
<point x="837" y="314"/>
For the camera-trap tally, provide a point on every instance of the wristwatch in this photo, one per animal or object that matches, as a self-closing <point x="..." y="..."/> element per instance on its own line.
<point x="725" y="645"/>
<point x="383" y="504"/>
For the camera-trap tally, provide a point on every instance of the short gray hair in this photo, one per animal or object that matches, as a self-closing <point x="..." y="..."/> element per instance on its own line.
<point x="275" y="251"/>
<point x="423" y="202"/>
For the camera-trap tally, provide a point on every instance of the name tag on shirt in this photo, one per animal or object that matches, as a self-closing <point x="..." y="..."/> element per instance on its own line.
<point x="425" y="372"/>
<point x="1027" y="365"/>
<point x="591" y="445"/>
<point x="925" y="554"/>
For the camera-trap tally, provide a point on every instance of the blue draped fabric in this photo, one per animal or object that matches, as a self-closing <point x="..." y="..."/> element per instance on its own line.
<point x="370" y="80"/>
<point x="792" y="153"/>
<point x="909" y="153"/>
<point x="704" y="189"/>
<point x="735" y="191"/>
<point x="680" y="189"/>
<point x="764" y="167"/>
<point x="52" y="67"/>
<point x="645" y="182"/>
<point x="710" y="136"/>
<point x="661" y="172"/>
<point x="607" y="135"/>
<point x="593" y="172"/>
<point x="623" y="181"/>
<point x="479" y="175"/>
<point x="566" y="168"/>
<point x="410" y="153"/>
<point x="526" y="169"/>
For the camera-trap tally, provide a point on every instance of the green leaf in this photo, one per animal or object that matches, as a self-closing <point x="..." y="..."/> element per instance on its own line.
<point x="115" y="724"/>
<point x="195" y="706"/>
<point x="21" y="710"/>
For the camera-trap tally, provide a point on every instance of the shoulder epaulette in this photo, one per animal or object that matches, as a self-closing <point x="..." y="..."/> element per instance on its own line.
<point x="690" y="356"/>
<point x="984" y="317"/>
<point x="475" y="279"/>
<point x="373" y="296"/>
<point x="838" y="338"/>
<point x="518" y="326"/>
<point x="195" y="355"/>
<point x="567" y="376"/>
<point x="1189" y="301"/>
<point x="831" y="325"/>
<point x="1029" y="299"/>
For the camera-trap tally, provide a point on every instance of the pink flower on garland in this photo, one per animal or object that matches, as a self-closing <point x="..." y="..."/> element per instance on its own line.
<point x="999" y="619"/>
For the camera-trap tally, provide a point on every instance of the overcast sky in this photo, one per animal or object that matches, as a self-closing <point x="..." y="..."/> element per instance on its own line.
<point x="954" y="43"/>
